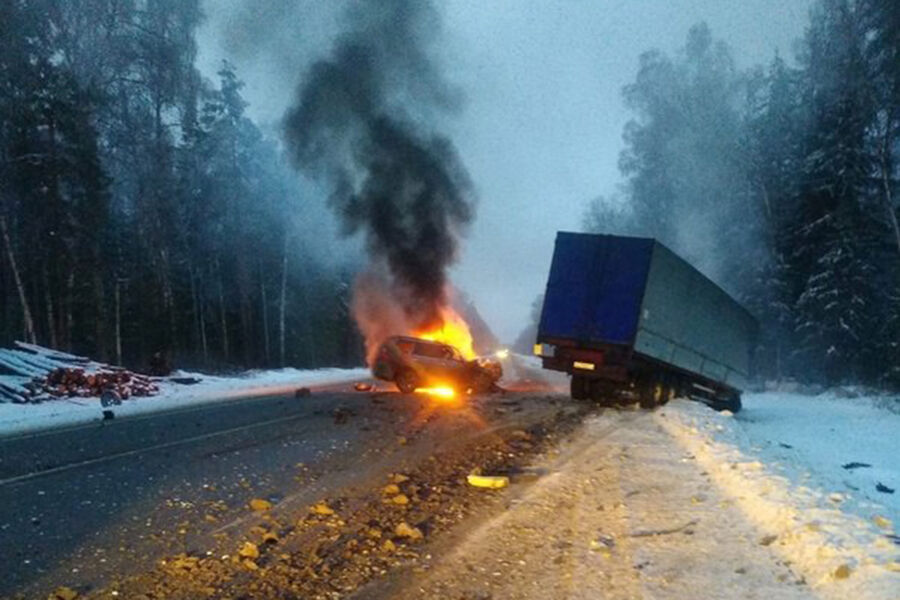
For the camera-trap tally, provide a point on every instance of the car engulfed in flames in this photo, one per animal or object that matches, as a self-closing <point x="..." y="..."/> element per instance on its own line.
<point x="419" y="364"/>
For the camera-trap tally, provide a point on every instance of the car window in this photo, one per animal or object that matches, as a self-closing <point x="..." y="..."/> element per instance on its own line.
<point x="430" y="350"/>
<point x="452" y="353"/>
<point x="405" y="347"/>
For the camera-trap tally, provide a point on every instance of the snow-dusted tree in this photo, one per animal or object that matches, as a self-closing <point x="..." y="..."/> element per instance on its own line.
<point x="881" y="21"/>
<point x="836" y="239"/>
<point x="772" y="135"/>
<point x="685" y="179"/>
<point x="53" y="186"/>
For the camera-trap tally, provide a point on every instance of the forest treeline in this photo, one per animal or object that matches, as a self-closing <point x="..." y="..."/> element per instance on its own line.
<point x="141" y="210"/>
<point x="780" y="183"/>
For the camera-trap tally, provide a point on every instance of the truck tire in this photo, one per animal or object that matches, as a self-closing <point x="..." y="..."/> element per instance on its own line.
<point x="731" y="403"/>
<point x="406" y="381"/>
<point x="652" y="395"/>
<point x="579" y="387"/>
<point x="602" y="393"/>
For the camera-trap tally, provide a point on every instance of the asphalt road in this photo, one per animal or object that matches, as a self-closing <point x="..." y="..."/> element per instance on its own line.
<point x="84" y="504"/>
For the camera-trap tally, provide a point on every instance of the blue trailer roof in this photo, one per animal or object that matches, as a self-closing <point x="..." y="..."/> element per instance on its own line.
<point x="595" y="288"/>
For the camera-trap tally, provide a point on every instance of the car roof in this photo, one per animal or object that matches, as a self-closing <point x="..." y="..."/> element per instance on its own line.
<point x="407" y="338"/>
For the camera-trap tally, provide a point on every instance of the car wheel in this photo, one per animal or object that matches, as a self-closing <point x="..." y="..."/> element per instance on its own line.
<point x="406" y="381"/>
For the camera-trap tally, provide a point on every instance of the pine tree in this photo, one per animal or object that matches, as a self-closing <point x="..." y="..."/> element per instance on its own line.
<point x="771" y="143"/>
<point x="835" y="241"/>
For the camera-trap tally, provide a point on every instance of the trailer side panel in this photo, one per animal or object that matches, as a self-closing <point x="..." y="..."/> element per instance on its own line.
<point x="688" y="321"/>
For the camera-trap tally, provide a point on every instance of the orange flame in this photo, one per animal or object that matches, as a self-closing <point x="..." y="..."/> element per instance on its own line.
<point x="445" y="393"/>
<point x="453" y="331"/>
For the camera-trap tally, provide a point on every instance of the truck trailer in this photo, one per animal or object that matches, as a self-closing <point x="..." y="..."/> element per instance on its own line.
<point x="628" y="319"/>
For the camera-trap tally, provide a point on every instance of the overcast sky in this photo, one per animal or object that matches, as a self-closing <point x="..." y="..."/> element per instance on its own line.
<point x="541" y="129"/>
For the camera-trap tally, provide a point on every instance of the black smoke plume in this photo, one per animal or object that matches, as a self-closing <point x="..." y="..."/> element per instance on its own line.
<point x="358" y="124"/>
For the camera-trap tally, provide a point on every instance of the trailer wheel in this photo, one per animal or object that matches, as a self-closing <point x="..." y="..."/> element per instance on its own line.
<point x="602" y="392"/>
<point x="579" y="387"/>
<point x="731" y="402"/>
<point x="669" y="394"/>
<point x="652" y="395"/>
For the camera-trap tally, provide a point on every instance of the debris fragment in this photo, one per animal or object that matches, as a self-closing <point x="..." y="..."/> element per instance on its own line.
<point x="391" y="489"/>
<point x="363" y="387"/>
<point x="882" y="522"/>
<point x="259" y="505"/>
<point x="249" y="550"/>
<point x="603" y="543"/>
<point x="63" y="593"/>
<point x="270" y="537"/>
<point x="767" y="540"/>
<point x="406" y="530"/>
<point x="842" y="572"/>
<point x="302" y="392"/>
<point x="654" y="532"/>
<point x="488" y="481"/>
<point x="400" y="499"/>
<point x="341" y="415"/>
<point x="249" y="564"/>
<point x="183" y="562"/>
<point x="856" y="465"/>
<point x="883" y="488"/>
<point x="322" y="509"/>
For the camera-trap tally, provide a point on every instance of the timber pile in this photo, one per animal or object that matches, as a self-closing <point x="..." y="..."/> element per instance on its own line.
<point x="32" y="374"/>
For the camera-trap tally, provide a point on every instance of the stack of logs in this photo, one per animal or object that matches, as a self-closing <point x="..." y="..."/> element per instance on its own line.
<point x="30" y="374"/>
<point x="75" y="382"/>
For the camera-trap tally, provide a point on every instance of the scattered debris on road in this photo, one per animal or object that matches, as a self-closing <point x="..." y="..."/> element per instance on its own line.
<point x="487" y="481"/>
<point x="666" y="531"/>
<point x="856" y="465"/>
<point x="883" y="488"/>
<point x="343" y="541"/>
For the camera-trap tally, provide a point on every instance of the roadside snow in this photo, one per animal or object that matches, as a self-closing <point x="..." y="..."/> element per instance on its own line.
<point x="25" y="418"/>
<point x="814" y="437"/>
<point x="781" y="461"/>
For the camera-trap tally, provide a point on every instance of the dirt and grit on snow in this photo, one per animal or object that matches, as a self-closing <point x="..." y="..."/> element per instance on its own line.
<point x="675" y="504"/>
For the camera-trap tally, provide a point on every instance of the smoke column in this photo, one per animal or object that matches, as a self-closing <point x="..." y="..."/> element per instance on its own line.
<point x="390" y="177"/>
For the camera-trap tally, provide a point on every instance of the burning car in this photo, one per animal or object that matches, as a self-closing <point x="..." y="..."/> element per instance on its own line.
<point x="414" y="363"/>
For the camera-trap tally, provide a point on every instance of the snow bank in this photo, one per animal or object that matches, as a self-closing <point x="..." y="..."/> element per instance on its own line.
<point x="781" y="462"/>
<point x="24" y="418"/>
